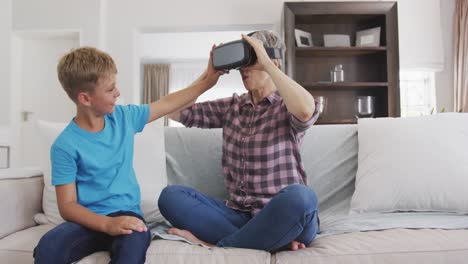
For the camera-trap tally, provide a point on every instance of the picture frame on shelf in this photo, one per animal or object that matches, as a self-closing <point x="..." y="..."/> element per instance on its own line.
<point x="336" y="40"/>
<point x="368" y="38"/>
<point x="303" y="38"/>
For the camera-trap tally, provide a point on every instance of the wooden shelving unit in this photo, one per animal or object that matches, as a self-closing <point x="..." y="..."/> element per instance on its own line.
<point x="371" y="71"/>
<point x="338" y="51"/>
<point x="339" y="121"/>
<point x="342" y="85"/>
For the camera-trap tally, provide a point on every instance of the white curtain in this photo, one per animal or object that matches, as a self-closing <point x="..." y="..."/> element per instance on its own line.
<point x="420" y="35"/>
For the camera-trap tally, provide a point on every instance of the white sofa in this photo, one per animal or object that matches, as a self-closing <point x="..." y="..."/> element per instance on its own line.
<point x="193" y="157"/>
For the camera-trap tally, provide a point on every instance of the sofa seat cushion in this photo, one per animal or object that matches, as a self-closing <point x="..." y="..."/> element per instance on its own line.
<point x="18" y="247"/>
<point x="24" y="240"/>
<point x="174" y="252"/>
<point x="387" y="246"/>
<point x="164" y="251"/>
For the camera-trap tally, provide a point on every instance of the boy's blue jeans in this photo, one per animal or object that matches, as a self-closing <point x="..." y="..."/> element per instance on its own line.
<point x="70" y="242"/>
<point x="290" y="215"/>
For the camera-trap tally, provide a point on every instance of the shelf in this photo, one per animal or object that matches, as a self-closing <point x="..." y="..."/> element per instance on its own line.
<point x="368" y="71"/>
<point x="337" y="121"/>
<point x="341" y="85"/>
<point x="337" y="51"/>
<point x="319" y="19"/>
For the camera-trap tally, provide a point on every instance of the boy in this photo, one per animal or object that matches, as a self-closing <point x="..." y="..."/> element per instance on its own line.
<point x="97" y="191"/>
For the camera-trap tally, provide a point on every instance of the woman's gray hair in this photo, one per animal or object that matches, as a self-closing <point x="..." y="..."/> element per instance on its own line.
<point x="271" y="40"/>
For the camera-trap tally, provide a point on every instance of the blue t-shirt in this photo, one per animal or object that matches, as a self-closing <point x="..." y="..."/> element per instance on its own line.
<point x="101" y="163"/>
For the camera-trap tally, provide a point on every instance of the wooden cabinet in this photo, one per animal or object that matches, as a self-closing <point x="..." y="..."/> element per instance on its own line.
<point x="368" y="71"/>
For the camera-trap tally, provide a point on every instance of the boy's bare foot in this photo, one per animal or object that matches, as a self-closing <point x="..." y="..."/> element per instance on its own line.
<point x="296" y="245"/>
<point x="187" y="235"/>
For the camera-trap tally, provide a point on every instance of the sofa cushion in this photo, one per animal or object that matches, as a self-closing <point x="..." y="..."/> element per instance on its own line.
<point x="149" y="165"/>
<point x="175" y="252"/>
<point x="389" y="246"/>
<point x="329" y="155"/>
<point x="412" y="164"/>
<point x="18" y="247"/>
<point x="20" y="200"/>
<point x="193" y="158"/>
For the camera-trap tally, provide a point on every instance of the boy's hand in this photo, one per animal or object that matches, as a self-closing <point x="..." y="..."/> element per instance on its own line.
<point x="124" y="225"/>
<point x="210" y="76"/>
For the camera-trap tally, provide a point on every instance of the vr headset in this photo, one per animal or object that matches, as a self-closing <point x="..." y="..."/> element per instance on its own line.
<point x="238" y="53"/>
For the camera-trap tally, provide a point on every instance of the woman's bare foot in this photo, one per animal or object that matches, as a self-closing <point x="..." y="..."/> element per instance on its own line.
<point x="296" y="245"/>
<point x="187" y="235"/>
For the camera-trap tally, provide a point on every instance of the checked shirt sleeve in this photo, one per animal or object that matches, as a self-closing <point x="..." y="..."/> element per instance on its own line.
<point x="300" y="126"/>
<point x="208" y="114"/>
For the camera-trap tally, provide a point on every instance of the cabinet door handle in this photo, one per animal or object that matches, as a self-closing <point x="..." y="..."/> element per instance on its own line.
<point x="26" y="115"/>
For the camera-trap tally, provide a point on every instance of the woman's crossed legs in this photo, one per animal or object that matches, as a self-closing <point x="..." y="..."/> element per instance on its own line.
<point x="290" y="219"/>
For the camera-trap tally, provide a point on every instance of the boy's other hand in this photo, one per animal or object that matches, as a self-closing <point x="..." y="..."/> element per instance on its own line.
<point x="124" y="225"/>
<point x="211" y="75"/>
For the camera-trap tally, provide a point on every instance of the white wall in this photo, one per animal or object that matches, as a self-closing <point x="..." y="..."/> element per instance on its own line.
<point x="182" y="45"/>
<point x="16" y="107"/>
<point x="43" y="18"/>
<point x="188" y="54"/>
<point x="42" y="93"/>
<point x="112" y="25"/>
<point x="60" y="15"/>
<point x="125" y="19"/>
<point x="5" y="42"/>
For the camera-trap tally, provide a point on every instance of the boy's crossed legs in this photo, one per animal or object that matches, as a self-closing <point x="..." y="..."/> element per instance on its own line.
<point x="289" y="220"/>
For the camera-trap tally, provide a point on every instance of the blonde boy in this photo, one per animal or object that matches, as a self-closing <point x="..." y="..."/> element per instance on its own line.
<point x="97" y="191"/>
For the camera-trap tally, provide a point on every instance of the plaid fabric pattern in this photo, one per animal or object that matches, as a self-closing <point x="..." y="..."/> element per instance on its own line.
<point x="260" y="146"/>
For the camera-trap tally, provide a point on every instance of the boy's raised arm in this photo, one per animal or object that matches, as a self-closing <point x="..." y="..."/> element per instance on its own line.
<point x="177" y="101"/>
<point x="182" y="99"/>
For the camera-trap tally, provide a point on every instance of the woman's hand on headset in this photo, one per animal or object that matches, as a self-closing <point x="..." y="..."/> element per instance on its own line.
<point x="263" y="60"/>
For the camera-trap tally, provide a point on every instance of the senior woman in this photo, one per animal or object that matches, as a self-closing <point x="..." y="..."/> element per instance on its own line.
<point x="270" y="206"/>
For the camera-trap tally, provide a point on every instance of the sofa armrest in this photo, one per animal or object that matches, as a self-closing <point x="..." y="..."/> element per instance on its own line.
<point x="20" y="200"/>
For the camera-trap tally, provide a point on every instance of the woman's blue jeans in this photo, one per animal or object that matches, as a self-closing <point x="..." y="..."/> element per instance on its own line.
<point x="70" y="242"/>
<point x="290" y="215"/>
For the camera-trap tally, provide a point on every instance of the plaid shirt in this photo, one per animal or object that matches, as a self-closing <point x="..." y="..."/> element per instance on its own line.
<point x="260" y="146"/>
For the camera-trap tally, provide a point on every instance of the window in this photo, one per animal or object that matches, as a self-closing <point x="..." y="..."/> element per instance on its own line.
<point x="182" y="74"/>
<point x="417" y="93"/>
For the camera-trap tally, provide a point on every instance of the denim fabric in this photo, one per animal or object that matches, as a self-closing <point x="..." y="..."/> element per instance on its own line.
<point x="290" y="215"/>
<point x="70" y="242"/>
